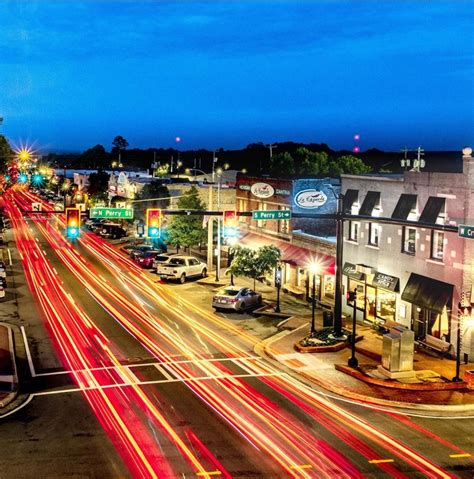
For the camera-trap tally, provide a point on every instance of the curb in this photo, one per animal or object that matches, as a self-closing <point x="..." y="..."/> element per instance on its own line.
<point x="14" y="384"/>
<point x="331" y="387"/>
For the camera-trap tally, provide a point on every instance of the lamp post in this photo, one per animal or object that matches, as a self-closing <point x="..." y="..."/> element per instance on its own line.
<point x="462" y="311"/>
<point x="352" y="362"/>
<point x="278" y="286"/>
<point x="314" y="268"/>
<point x="337" y="333"/>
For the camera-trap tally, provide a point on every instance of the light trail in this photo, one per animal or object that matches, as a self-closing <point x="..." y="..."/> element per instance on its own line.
<point x="247" y="410"/>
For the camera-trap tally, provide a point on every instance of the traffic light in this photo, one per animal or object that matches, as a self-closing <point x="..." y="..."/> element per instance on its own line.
<point x="351" y="296"/>
<point x="153" y="222"/>
<point x="73" y="222"/>
<point x="231" y="224"/>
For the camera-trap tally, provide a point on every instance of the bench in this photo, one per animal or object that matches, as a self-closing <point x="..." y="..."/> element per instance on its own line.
<point x="435" y="344"/>
<point x="294" y="290"/>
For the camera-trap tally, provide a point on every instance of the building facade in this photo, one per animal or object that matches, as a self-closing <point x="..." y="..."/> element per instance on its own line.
<point x="303" y="242"/>
<point x="411" y="274"/>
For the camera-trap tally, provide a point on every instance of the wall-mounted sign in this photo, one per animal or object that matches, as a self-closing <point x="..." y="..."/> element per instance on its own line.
<point x="386" y="281"/>
<point x="262" y="190"/>
<point x="350" y="270"/>
<point x="310" y="199"/>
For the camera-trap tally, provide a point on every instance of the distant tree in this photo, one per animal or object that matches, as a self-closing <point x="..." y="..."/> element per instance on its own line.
<point x="187" y="231"/>
<point x="119" y="144"/>
<point x="98" y="185"/>
<point x="254" y="264"/>
<point x="155" y="189"/>
<point x="95" y="157"/>
<point x="311" y="162"/>
<point x="6" y="154"/>
<point x="282" y="164"/>
<point x="348" y="164"/>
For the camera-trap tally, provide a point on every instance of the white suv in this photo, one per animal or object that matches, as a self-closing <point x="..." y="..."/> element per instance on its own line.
<point x="182" y="267"/>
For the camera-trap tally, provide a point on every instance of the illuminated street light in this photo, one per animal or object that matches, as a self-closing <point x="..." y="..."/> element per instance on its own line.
<point x="37" y="179"/>
<point x="22" y="178"/>
<point x="24" y="154"/>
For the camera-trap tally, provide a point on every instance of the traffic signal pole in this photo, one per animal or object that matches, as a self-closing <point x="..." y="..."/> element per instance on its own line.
<point x="337" y="333"/>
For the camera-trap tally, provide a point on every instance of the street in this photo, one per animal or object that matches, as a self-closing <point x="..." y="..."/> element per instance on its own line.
<point x="133" y="377"/>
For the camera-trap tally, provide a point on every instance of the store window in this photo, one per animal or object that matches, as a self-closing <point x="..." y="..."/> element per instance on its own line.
<point x="437" y="245"/>
<point x="329" y="284"/>
<point x="370" y="303"/>
<point x="374" y="234"/>
<point x="409" y="240"/>
<point x="353" y="231"/>
<point x="284" y="225"/>
<point x="262" y="223"/>
<point x="360" y="295"/>
<point x="386" y="304"/>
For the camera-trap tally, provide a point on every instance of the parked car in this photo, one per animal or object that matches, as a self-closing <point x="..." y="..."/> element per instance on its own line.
<point x="144" y="248"/>
<point x="162" y="258"/>
<point x="146" y="259"/>
<point x="111" y="230"/>
<point x="182" y="267"/>
<point x="94" y="224"/>
<point x="236" y="298"/>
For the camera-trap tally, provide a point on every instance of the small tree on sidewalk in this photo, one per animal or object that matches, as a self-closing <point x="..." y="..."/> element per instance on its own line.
<point x="254" y="264"/>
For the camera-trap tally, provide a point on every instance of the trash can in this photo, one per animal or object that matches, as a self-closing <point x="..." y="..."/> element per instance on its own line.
<point x="327" y="319"/>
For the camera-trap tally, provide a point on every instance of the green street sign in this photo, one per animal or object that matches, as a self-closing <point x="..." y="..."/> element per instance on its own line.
<point x="271" y="215"/>
<point x="466" y="231"/>
<point x="111" y="213"/>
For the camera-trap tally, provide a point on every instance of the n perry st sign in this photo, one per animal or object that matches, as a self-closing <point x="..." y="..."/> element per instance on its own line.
<point x="466" y="231"/>
<point x="271" y="215"/>
<point x="112" y="213"/>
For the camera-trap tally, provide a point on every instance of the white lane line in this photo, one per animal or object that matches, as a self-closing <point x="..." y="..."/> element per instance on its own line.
<point x="9" y="257"/>
<point x="28" y="352"/>
<point x="137" y="365"/>
<point x="148" y="383"/>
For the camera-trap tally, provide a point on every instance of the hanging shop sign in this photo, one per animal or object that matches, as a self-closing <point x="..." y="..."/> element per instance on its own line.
<point x="310" y="199"/>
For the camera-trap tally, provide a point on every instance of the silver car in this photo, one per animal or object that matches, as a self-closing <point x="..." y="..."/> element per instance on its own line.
<point x="235" y="298"/>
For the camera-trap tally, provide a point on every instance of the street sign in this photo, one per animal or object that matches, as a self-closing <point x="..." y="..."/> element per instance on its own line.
<point x="112" y="213"/>
<point x="36" y="206"/>
<point x="271" y="214"/>
<point x="466" y="231"/>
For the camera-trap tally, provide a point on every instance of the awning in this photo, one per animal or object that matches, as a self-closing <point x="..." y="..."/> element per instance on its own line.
<point x="292" y="254"/>
<point x="350" y="270"/>
<point x="434" y="206"/>
<point x="427" y="293"/>
<point x="406" y="203"/>
<point x="372" y="198"/>
<point x="386" y="281"/>
<point x="350" y="197"/>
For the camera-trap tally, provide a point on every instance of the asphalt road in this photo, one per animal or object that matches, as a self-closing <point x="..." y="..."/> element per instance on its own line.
<point x="238" y="414"/>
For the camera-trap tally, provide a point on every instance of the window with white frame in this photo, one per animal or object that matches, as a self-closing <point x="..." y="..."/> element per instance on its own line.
<point x="437" y="245"/>
<point x="374" y="234"/>
<point x="409" y="240"/>
<point x="354" y="227"/>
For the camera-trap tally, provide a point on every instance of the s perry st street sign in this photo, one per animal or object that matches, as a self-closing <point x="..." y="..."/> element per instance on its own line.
<point x="111" y="213"/>
<point x="271" y="214"/>
<point x="466" y="231"/>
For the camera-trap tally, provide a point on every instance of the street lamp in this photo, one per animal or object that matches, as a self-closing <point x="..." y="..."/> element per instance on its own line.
<point x="278" y="286"/>
<point x="315" y="268"/>
<point x="352" y="296"/>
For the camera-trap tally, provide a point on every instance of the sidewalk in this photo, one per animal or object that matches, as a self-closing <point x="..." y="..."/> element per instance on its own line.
<point x="431" y="389"/>
<point x="8" y="371"/>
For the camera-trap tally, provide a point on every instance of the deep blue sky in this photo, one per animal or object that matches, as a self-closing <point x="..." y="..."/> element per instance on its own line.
<point x="77" y="73"/>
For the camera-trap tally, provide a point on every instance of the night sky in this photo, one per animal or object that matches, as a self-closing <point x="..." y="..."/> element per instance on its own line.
<point x="225" y="74"/>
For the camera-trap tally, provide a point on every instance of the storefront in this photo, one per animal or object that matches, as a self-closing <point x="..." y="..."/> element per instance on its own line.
<point x="432" y="302"/>
<point x="376" y="293"/>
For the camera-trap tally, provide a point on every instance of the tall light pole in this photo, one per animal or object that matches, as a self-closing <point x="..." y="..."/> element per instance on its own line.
<point x="218" y="265"/>
<point x="314" y="268"/>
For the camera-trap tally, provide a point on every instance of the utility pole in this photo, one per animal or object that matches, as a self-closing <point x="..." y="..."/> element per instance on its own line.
<point x="210" y="225"/>
<point x="214" y="160"/>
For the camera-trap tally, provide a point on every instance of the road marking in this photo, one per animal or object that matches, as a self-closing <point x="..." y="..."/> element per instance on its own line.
<point x="211" y="473"/>
<point x="10" y="257"/>
<point x="460" y="455"/>
<point x="138" y="365"/>
<point x="164" y="371"/>
<point x="302" y="466"/>
<point x="28" y="352"/>
<point x="380" y="461"/>
<point x="151" y="382"/>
